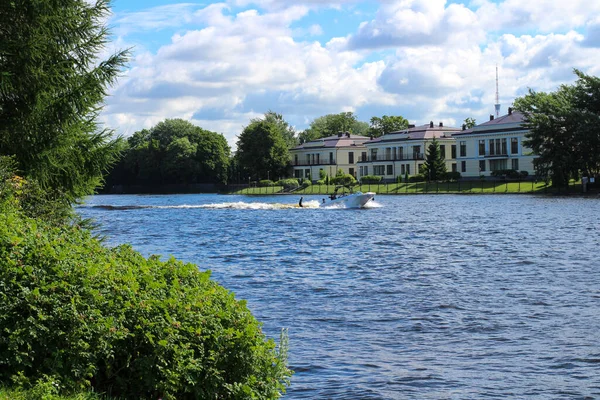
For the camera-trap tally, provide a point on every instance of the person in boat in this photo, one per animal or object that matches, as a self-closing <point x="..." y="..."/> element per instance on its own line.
<point x="300" y="202"/>
<point x="323" y="201"/>
<point x="332" y="197"/>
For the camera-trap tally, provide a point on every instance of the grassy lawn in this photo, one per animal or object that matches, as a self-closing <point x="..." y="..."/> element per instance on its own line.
<point x="458" y="187"/>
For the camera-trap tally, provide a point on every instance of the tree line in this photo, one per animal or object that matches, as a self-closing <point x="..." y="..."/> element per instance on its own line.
<point x="176" y="151"/>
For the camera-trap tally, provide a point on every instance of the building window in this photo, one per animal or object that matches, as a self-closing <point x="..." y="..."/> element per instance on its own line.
<point x="394" y="153"/>
<point x="463" y="166"/>
<point x="463" y="149"/>
<point x="318" y="159"/>
<point x="379" y="170"/>
<point x="331" y="158"/>
<point x="363" y="156"/>
<point x="308" y="159"/>
<point x="453" y="151"/>
<point x="504" y="151"/>
<point x="307" y="173"/>
<point x="388" y="153"/>
<point x="402" y="169"/>
<point x="366" y="170"/>
<point x="390" y="170"/>
<point x="443" y="151"/>
<point x="416" y="152"/>
<point x="481" y="165"/>
<point x="401" y="153"/>
<point x="373" y="154"/>
<point x="514" y="145"/>
<point x="297" y="173"/>
<point x="408" y="169"/>
<point x="454" y="169"/>
<point x="351" y="157"/>
<point x="361" y="171"/>
<point x="295" y="159"/>
<point x="482" y="147"/>
<point x="351" y="171"/>
<point x="498" y="148"/>
<point x="313" y="158"/>
<point x="515" y="164"/>
<point x="497" y="165"/>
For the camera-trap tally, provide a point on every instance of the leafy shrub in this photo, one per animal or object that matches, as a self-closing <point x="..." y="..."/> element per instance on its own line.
<point x="343" y="179"/>
<point x="417" y="178"/>
<point x="266" y="183"/>
<point x="288" y="183"/>
<point x="524" y="174"/>
<point x="453" y="176"/>
<point x="370" y="179"/>
<point x="506" y="173"/>
<point x="82" y="316"/>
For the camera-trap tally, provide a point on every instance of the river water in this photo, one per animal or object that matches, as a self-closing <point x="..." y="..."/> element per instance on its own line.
<point x="417" y="297"/>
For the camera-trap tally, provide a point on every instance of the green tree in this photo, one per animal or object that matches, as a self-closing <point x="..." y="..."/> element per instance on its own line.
<point x="470" y="122"/>
<point x="434" y="167"/>
<point x="332" y="124"/>
<point x="262" y="151"/>
<point x="173" y="151"/>
<point x="287" y="131"/>
<point x="563" y="129"/>
<point x="52" y="86"/>
<point x="387" y="124"/>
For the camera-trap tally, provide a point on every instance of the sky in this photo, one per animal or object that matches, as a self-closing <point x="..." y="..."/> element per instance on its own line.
<point x="221" y="64"/>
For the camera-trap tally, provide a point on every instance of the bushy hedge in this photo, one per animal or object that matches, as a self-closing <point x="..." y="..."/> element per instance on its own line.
<point x="506" y="173"/>
<point x="343" y="179"/>
<point x="266" y="183"/>
<point x="83" y="316"/>
<point x="290" y="183"/>
<point x="417" y="178"/>
<point x="453" y="176"/>
<point x="370" y="179"/>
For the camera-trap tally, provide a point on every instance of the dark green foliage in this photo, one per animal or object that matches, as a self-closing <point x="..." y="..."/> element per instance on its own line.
<point x="287" y="184"/>
<point x="343" y="179"/>
<point x="564" y="129"/>
<point x="506" y="173"/>
<point x="266" y="183"/>
<point x="287" y="131"/>
<point x="417" y="178"/>
<point x="453" y="176"/>
<point x="387" y="124"/>
<point x="84" y="316"/>
<point x="51" y="90"/>
<point x="174" y="151"/>
<point x="370" y="179"/>
<point x="262" y="150"/>
<point x="332" y="124"/>
<point x="434" y="168"/>
<point x="470" y="122"/>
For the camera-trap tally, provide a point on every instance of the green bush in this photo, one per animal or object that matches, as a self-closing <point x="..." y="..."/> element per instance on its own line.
<point x="417" y="178"/>
<point x="370" y="179"/>
<point x="453" y="176"/>
<point x="343" y="179"/>
<point x="290" y="183"/>
<point x="82" y="316"/>
<point x="266" y="183"/>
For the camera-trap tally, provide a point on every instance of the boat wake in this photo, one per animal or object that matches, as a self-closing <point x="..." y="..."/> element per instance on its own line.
<point x="236" y="206"/>
<point x="240" y="205"/>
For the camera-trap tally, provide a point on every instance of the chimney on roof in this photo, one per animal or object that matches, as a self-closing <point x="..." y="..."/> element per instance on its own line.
<point x="441" y="124"/>
<point x="464" y="127"/>
<point x="431" y="124"/>
<point x="509" y="110"/>
<point x="491" y="117"/>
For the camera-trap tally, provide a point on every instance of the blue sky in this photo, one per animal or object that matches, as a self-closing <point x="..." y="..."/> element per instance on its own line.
<point x="221" y="64"/>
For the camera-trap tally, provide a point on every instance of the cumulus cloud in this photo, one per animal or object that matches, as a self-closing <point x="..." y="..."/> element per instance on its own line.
<point x="424" y="60"/>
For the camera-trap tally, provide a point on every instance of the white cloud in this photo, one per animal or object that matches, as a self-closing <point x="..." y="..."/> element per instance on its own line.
<point x="424" y="60"/>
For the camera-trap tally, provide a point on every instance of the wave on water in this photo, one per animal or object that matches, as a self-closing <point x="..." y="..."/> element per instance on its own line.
<point x="240" y="205"/>
<point x="237" y="206"/>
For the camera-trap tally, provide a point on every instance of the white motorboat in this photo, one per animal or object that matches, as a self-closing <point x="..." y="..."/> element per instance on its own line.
<point x="348" y="200"/>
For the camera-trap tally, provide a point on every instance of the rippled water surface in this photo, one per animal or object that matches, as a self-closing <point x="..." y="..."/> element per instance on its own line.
<point x="419" y="297"/>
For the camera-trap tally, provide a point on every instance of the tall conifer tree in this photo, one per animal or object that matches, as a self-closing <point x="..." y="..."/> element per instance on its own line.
<point x="52" y="85"/>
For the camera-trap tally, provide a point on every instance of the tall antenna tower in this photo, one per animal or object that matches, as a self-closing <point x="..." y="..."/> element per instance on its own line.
<point x="497" y="105"/>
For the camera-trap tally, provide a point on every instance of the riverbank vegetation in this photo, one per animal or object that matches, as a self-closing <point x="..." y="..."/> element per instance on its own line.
<point x="80" y="320"/>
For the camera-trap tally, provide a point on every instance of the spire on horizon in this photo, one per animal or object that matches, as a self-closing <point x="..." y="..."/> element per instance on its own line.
<point x="497" y="105"/>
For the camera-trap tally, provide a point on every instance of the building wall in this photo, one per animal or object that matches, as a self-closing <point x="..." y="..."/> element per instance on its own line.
<point x="390" y="164"/>
<point x="339" y="159"/>
<point x="474" y="163"/>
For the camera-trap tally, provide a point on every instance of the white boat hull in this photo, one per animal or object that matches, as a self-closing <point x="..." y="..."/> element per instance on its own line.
<point x="354" y="200"/>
